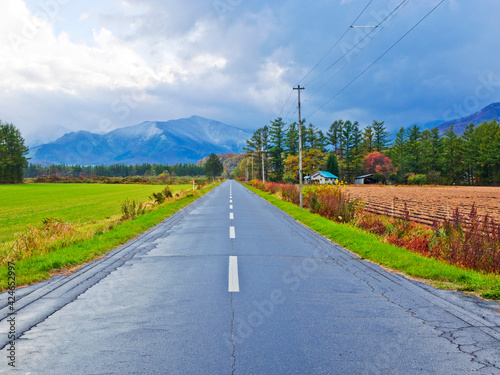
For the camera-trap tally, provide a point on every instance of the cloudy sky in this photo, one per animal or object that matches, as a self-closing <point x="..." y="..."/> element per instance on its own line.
<point x="102" y="64"/>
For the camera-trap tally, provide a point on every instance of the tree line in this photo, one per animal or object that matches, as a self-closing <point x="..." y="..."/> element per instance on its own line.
<point x="115" y="170"/>
<point x="12" y="154"/>
<point x="348" y="150"/>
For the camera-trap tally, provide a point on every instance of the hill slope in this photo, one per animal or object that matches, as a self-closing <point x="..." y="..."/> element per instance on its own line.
<point x="488" y="113"/>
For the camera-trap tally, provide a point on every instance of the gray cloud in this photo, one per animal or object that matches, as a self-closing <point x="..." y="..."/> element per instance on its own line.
<point x="157" y="60"/>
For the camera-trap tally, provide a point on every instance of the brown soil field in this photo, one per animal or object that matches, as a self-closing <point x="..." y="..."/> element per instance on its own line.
<point x="428" y="203"/>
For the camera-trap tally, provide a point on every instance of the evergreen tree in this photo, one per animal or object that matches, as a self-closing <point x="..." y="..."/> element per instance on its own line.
<point x="414" y="149"/>
<point x="357" y="150"/>
<point x="473" y="157"/>
<point x="12" y="154"/>
<point x="321" y="141"/>
<point x="292" y="140"/>
<point x="452" y="156"/>
<point x="348" y="150"/>
<point x="305" y="137"/>
<point x="487" y="141"/>
<point x="470" y="153"/>
<point x="332" y="164"/>
<point x="277" y="148"/>
<point x="334" y="136"/>
<point x="380" y="136"/>
<point x="213" y="166"/>
<point x="398" y="152"/>
<point x="309" y="137"/>
<point x="368" y="145"/>
<point x="436" y="150"/>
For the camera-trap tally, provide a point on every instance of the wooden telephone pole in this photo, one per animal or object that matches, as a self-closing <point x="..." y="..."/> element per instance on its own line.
<point x="298" y="88"/>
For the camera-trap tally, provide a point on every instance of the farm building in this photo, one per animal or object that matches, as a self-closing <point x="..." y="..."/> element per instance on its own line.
<point x="322" y="177"/>
<point x="364" y="180"/>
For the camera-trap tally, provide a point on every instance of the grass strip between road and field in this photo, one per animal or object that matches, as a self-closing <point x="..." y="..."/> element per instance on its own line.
<point x="370" y="247"/>
<point x="42" y="267"/>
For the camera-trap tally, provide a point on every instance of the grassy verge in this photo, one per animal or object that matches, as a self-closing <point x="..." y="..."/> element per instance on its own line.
<point x="42" y="267"/>
<point x="370" y="247"/>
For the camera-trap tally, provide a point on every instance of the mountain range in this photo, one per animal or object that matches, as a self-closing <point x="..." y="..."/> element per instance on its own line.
<point x="185" y="140"/>
<point x="488" y="113"/>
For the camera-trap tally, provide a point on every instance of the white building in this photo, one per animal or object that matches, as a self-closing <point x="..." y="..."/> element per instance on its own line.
<point x="322" y="178"/>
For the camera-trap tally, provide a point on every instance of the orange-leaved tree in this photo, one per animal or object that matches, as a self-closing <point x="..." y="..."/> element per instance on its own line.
<point x="378" y="163"/>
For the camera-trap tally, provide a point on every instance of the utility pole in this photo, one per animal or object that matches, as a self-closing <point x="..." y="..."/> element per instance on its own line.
<point x="262" y="151"/>
<point x="252" y="167"/>
<point x="246" y="171"/>
<point x="298" y="88"/>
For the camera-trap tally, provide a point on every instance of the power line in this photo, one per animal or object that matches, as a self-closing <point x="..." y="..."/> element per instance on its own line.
<point x="319" y="62"/>
<point x="383" y="26"/>
<point x="282" y="109"/>
<point x="339" y="59"/>
<point x="337" y="42"/>
<point x="290" y="109"/>
<point x="405" y="2"/>
<point x="380" y="57"/>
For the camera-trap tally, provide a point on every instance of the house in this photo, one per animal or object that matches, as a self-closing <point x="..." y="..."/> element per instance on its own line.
<point x="322" y="177"/>
<point x="364" y="180"/>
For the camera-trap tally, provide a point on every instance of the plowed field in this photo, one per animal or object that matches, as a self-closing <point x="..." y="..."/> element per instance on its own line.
<point x="428" y="203"/>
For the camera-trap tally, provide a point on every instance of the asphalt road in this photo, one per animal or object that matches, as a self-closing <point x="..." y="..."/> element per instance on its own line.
<point x="232" y="285"/>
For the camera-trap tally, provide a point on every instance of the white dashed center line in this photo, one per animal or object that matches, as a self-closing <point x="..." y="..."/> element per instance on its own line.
<point x="231" y="216"/>
<point x="234" y="284"/>
<point x="232" y="233"/>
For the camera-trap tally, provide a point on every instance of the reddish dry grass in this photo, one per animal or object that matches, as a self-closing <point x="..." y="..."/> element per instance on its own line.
<point x="469" y="241"/>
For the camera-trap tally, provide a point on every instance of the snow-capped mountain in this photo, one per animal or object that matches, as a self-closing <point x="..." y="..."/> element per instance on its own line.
<point x="176" y="141"/>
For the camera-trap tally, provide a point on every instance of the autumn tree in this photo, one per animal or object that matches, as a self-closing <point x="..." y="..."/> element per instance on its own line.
<point x="291" y="168"/>
<point x="378" y="163"/>
<point x="312" y="161"/>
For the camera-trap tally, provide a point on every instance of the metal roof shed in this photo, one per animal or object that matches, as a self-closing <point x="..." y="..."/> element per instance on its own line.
<point x="364" y="180"/>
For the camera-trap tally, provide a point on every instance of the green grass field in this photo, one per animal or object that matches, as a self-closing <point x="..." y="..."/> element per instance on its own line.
<point x="28" y="204"/>
<point x="90" y="206"/>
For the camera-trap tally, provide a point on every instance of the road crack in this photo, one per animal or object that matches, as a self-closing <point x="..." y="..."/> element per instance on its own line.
<point x="233" y="354"/>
